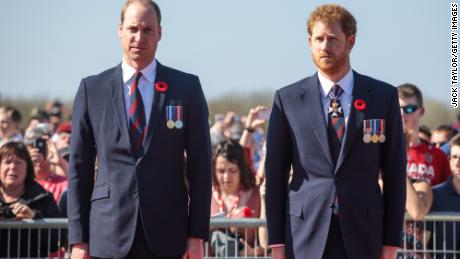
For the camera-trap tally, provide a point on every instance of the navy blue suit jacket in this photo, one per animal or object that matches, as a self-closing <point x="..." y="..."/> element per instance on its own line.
<point x="103" y="208"/>
<point x="299" y="213"/>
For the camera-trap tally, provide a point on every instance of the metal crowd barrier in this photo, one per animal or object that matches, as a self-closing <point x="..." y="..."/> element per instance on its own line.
<point x="436" y="236"/>
<point x="433" y="238"/>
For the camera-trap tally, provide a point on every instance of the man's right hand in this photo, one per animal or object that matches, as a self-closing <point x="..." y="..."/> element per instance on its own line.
<point x="80" y="251"/>
<point x="278" y="252"/>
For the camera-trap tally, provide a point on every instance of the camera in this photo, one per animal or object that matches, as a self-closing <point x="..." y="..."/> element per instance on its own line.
<point x="264" y="114"/>
<point x="41" y="145"/>
<point x="6" y="212"/>
<point x="36" y="138"/>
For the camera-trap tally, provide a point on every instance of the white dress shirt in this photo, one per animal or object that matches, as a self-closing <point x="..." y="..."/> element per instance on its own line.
<point x="346" y="83"/>
<point x="146" y="86"/>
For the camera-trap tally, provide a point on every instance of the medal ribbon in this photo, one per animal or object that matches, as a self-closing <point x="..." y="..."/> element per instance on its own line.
<point x="382" y="126"/>
<point x="367" y="126"/>
<point x="374" y="127"/>
<point x="179" y="113"/>
<point x="168" y="112"/>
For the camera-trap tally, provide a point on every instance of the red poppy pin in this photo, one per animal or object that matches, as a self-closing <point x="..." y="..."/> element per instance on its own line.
<point x="360" y="104"/>
<point x="161" y="86"/>
<point x="247" y="212"/>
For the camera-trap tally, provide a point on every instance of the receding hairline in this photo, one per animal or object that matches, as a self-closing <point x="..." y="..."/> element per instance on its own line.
<point x="146" y="3"/>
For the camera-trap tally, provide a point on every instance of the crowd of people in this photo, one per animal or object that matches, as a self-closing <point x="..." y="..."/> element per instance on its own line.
<point x="34" y="165"/>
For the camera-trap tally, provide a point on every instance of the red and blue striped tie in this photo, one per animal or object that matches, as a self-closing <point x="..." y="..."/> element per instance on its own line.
<point x="136" y="118"/>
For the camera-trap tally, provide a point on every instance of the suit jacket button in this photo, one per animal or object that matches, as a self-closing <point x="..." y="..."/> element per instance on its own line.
<point x="332" y="205"/>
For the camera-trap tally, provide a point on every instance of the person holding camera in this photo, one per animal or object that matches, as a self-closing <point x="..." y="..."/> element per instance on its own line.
<point x="22" y="198"/>
<point x="39" y="150"/>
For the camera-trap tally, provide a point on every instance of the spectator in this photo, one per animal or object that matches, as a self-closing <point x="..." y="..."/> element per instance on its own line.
<point x="22" y="198"/>
<point x="441" y="135"/>
<point x="252" y="137"/>
<point x="446" y="197"/>
<point x="424" y="162"/>
<point x="54" y="110"/>
<point x="39" y="149"/>
<point x="235" y="195"/>
<point x="217" y="129"/>
<point x="456" y="123"/>
<point x="419" y="198"/>
<point x="424" y="134"/>
<point x="10" y="119"/>
<point x="37" y="116"/>
<point x="63" y="140"/>
<point x="55" y="157"/>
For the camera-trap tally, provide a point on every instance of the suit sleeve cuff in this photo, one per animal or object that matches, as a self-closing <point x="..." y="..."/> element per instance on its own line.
<point x="276" y="245"/>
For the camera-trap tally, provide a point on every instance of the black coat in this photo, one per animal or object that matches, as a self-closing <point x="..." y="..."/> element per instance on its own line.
<point x="44" y="207"/>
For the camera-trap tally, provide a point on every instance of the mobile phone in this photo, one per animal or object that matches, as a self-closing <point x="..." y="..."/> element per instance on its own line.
<point x="41" y="145"/>
<point x="264" y="114"/>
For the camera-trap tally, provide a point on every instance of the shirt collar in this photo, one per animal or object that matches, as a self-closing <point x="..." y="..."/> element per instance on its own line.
<point x="148" y="72"/>
<point x="346" y="83"/>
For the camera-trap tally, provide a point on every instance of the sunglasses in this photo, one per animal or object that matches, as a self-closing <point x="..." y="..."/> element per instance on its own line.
<point x="408" y="109"/>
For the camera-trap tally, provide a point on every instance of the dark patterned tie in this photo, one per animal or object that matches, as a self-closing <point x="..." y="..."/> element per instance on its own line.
<point x="336" y="121"/>
<point x="136" y="118"/>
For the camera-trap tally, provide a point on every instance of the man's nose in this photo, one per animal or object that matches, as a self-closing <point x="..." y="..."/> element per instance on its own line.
<point x="139" y="36"/>
<point x="325" y="45"/>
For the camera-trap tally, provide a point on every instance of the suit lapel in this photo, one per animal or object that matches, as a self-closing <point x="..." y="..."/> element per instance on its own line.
<point x="356" y="117"/>
<point x="314" y="110"/>
<point x="118" y="103"/>
<point x="157" y="107"/>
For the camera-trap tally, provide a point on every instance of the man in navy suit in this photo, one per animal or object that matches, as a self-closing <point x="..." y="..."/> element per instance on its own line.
<point x="337" y="130"/>
<point x="147" y="125"/>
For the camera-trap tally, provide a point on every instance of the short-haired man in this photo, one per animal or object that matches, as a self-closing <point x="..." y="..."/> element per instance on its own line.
<point x="442" y="134"/>
<point x="139" y="118"/>
<point x="424" y="162"/>
<point x="446" y="197"/>
<point x="337" y="130"/>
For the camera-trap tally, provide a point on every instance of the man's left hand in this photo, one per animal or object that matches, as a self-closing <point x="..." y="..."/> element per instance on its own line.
<point x="194" y="249"/>
<point x="389" y="252"/>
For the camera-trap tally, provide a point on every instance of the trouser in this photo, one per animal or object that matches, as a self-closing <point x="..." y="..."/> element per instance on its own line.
<point x="140" y="248"/>
<point x="335" y="247"/>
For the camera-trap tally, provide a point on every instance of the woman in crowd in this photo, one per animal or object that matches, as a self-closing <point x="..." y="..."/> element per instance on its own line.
<point x="235" y="195"/>
<point x="22" y="198"/>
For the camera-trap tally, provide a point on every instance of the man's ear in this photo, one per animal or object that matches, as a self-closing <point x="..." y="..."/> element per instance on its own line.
<point x="159" y="32"/>
<point x="422" y="111"/>
<point x="120" y="27"/>
<point x="351" y="41"/>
